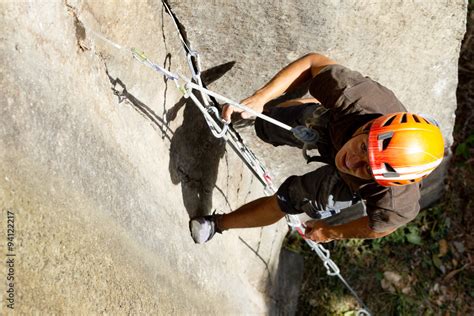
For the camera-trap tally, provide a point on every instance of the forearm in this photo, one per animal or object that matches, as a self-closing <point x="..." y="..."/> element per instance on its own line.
<point x="294" y="74"/>
<point x="355" y="229"/>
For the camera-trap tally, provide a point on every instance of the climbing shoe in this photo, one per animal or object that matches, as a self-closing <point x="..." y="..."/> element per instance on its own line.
<point x="203" y="228"/>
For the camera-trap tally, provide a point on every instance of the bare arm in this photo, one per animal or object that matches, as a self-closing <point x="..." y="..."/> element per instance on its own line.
<point x="285" y="80"/>
<point x="294" y="74"/>
<point x="295" y="102"/>
<point x="320" y="232"/>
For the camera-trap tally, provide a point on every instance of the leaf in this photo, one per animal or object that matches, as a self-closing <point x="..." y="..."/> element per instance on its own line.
<point x="443" y="248"/>
<point x="438" y="264"/>
<point x="462" y="150"/>
<point x="406" y="290"/>
<point x="459" y="246"/>
<point x="414" y="237"/>
<point x="392" y="277"/>
<point x="451" y="274"/>
<point x="379" y="275"/>
<point x="470" y="140"/>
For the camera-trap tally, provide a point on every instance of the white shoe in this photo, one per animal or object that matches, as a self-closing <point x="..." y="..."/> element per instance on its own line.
<point x="203" y="228"/>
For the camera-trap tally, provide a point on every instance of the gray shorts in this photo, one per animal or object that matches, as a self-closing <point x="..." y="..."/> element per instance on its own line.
<point x="321" y="194"/>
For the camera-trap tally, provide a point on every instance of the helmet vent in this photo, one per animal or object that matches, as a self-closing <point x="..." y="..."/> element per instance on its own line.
<point x="384" y="140"/>
<point x="404" y="118"/>
<point x="389" y="168"/>
<point x="396" y="182"/>
<point x="427" y="121"/>
<point x="385" y="143"/>
<point x="389" y="121"/>
<point x="390" y="173"/>
<point x="416" y="118"/>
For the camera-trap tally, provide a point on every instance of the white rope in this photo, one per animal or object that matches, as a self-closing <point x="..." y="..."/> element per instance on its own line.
<point x="189" y="85"/>
<point x="168" y="9"/>
<point x="192" y="85"/>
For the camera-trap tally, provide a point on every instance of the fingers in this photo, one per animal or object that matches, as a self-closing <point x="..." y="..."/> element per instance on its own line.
<point x="246" y="115"/>
<point x="315" y="230"/>
<point x="254" y="102"/>
<point x="308" y="232"/>
<point x="227" y="111"/>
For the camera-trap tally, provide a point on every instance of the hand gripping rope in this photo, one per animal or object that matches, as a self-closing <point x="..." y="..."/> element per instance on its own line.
<point x="222" y="129"/>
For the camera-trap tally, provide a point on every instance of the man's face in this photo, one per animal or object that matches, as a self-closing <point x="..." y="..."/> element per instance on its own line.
<point x="353" y="158"/>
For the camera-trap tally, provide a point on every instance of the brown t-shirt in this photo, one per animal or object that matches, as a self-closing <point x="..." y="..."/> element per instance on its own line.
<point x="354" y="100"/>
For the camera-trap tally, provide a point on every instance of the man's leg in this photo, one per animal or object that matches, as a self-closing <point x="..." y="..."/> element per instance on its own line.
<point x="261" y="212"/>
<point x="293" y="113"/>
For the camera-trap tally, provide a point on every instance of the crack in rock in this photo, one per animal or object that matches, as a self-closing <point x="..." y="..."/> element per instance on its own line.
<point x="79" y="28"/>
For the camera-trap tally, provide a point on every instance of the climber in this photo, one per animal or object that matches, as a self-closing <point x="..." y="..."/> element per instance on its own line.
<point x="376" y="154"/>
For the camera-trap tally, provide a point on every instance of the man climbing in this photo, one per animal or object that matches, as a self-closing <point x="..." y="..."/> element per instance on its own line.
<point x="375" y="152"/>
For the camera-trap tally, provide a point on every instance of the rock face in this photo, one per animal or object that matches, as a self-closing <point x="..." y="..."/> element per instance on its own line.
<point x="102" y="161"/>
<point x="101" y="186"/>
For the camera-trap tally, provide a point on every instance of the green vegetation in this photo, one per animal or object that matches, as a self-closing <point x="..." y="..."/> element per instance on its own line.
<point x="414" y="271"/>
<point x="464" y="149"/>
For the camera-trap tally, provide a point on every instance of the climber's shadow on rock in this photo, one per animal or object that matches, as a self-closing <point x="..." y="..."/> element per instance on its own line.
<point x="195" y="152"/>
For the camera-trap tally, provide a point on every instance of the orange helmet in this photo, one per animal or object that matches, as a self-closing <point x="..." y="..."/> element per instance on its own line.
<point x="404" y="148"/>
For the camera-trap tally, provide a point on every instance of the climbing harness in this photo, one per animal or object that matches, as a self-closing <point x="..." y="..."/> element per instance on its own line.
<point x="222" y="129"/>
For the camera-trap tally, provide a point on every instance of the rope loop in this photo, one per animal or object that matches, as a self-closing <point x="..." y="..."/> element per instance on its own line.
<point x="324" y="252"/>
<point x="331" y="267"/>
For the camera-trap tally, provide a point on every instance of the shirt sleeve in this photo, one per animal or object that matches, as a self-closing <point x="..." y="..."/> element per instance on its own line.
<point x="330" y="83"/>
<point x="344" y="90"/>
<point x="393" y="207"/>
